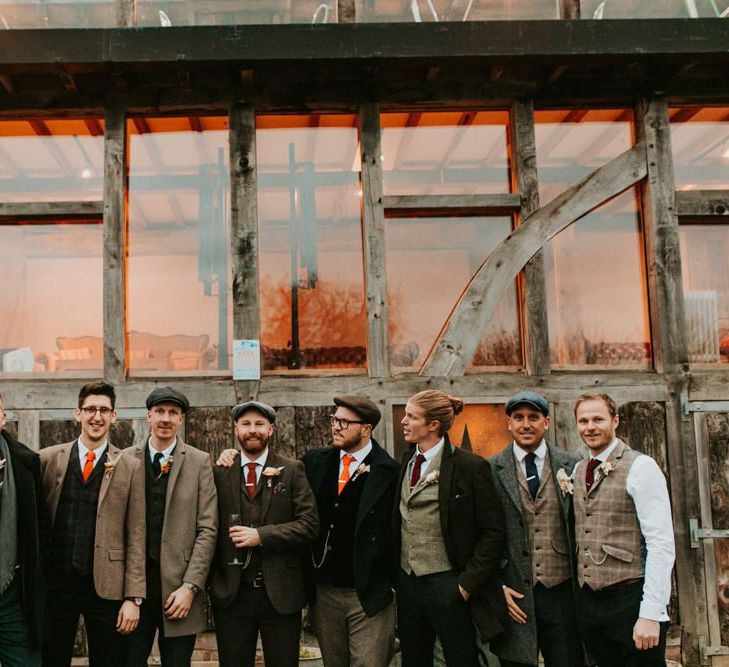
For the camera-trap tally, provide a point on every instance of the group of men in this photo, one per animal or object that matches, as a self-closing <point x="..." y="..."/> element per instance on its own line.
<point x="530" y="551"/>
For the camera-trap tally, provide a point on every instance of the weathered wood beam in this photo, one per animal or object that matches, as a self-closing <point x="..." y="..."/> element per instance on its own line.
<point x="526" y="182"/>
<point x="195" y="124"/>
<point x="569" y="9"/>
<point x="115" y="243"/>
<point x="456" y="344"/>
<point x="346" y="11"/>
<point x="702" y="203"/>
<point x="8" y="84"/>
<point x="244" y="232"/>
<point x="94" y="127"/>
<point x="450" y="205"/>
<point x="373" y="235"/>
<point x="60" y="209"/>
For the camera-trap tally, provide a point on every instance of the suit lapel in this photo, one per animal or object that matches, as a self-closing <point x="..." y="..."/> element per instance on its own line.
<point x="234" y="489"/>
<point x="375" y="484"/>
<point x="328" y="459"/>
<point x="444" y="483"/>
<point x="178" y="460"/>
<point x="263" y="488"/>
<point x="112" y="456"/>
<point x="508" y="476"/>
<point x="61" y="467"/>
<point x="557" y="462"/>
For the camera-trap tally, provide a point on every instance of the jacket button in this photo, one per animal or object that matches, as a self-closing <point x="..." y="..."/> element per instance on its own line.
<point x="373" y="538"/>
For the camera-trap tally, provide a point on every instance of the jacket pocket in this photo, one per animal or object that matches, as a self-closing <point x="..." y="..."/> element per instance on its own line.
<point x="616" y="552"/>
<point x="186" y="554"/>
<point x="116" y="554"/>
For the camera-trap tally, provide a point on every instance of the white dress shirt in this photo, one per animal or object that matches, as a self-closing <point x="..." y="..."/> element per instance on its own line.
<point x="358" y="456"/>
<point x="540" y="453"/>
<point x="429" y="456"/>
<point x="166" y="453"/>
<point x="83" y="450"/>
<point x="260" y="464"/>
<point x="646" y="485"/>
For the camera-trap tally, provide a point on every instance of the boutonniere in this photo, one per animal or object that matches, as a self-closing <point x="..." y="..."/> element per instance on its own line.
<point x="166" y="467"/>
<point x="566" y="483"/>
<point x="110" y="466"/>
<point x="361" y="470"/>
<point x="432" y="477"/>
<point x="606" y="467"/>
<point x="2" y="464"/>
<point x="271" y="472"/>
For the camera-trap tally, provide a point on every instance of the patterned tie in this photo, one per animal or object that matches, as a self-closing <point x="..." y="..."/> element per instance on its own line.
<point x="532" y="474"/>
<point x="590" y="475"/>
<point x="415" y="475"/>
<point x="157" y="464"/>
<point x="344" y="475"/>
<point x="89" y="466"/>
<point x="251" y="479"/>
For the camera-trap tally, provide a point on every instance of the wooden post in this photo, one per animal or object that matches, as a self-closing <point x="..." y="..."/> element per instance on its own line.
<point x="244" y="231"/>
<point x="29" y="428"/>
<point x="668" y="324"/>
<point x="115" y="243"/>
<point x="346" y="11"/>
<point x="125" y="13"/>
<point x="373" y="235"/>
<point x="526" y="183"/>
<point x="569" y="9"/>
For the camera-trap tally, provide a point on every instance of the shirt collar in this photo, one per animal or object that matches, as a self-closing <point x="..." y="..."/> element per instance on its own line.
<point x="540" y="452"/>
<point x="166" y="453"/>
<point x="604" y="455"/>
<point x="261" y="460"/>
<point x="83" y="449"/>
<point x="358" y="456"/>
<point x="432" y="452"/>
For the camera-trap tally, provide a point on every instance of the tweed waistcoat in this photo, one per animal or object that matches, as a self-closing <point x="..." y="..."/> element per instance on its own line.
<point x="610" y="546"/>
<point x="156" y="498"/>
<point x="250" y="516"/>
<point x="423" y="547"/>
<point x="546" y="532"/>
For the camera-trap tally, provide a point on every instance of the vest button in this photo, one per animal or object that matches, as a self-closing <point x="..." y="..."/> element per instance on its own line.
<point x="336" y="504"/>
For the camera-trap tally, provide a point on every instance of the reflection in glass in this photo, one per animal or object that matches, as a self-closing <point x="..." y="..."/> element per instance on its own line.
<point x="430" y="261"/>
<point x="480" y="428"/>
<point x="58" y="14"/>
<point x="445" y="153"/>
<point x="310" y="243"/>
<point x="425" y="11"/>
<point x="704" y="251"/>
<point x="595" y="270"/>
<point x="179" y="299"/>
<point x="51" y="305"/>
<point x="700" y="144"/>
<point x="52" y="160"/>
<point x="652" y="9"/>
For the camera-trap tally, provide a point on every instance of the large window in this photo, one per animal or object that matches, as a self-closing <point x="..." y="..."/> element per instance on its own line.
<point x="310" y="243"/>
<point x="595" y="269"/>
<point x="647" y="9"/>
<point x="700" y="143"/>
<point x="179" y="299"/>
<point x="425" y="11"/>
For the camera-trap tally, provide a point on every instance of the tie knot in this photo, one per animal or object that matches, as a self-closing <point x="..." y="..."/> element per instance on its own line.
<point x="530" y="457"/>
<point x="593" y="463"/>
<point x="90" y="456"/>
<point x="347" y="460"/>
<point x="251" y="466"/>
<point x="420" y="458"/>
<point x="158" y="457"/>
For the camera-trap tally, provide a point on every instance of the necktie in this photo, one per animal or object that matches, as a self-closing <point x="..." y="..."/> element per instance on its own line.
<point x="251" y="479"/>
<point x="532" y="474"/>
<point x="590" y="475"/>
<point x="344" y="475"/>
<point x="89" y="466"/>
<point x="157" y="464"/>
<point x="415" y="475"/>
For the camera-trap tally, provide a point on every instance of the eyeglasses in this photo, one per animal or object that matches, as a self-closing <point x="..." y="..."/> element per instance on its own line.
<point x="342" y="423"/>
<point x="90" y="411"/>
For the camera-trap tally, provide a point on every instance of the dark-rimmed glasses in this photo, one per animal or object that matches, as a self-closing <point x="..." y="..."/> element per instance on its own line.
<point x="342" y="423"/>
<point x="90" y="411"/>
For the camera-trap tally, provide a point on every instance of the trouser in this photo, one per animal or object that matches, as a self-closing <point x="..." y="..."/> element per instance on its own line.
<point x="16" y="647"/>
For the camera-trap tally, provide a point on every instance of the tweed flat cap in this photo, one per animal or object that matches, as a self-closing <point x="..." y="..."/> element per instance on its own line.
<point x="167" y="395"/>
<point x="530" y="398"/>
<point x="364" y="407"/>
<point x="266" y="410"/>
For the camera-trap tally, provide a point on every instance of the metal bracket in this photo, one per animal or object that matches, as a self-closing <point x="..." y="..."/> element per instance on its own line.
<point x="707" y="652"/>
<point x="698" y="534"/>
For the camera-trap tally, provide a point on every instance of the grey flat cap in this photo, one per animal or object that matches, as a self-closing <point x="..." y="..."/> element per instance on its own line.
<point x="530" y="398"/>
<point x="167" y="395"/>
<point x="364" y="407"/>
<point x="266" y="410"/>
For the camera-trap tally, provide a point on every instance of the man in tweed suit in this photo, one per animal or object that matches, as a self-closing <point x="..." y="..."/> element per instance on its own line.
<point x="625" y="547"/>
<point x="96" y="501"/>
<point x="537" y="575"/>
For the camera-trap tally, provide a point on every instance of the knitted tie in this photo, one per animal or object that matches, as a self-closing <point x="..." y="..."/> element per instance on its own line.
<point x="415" y="474"/>
<point x="251" y="479"/>
<point x="532" y="474"/>
<point x="89" y="466"/>
<point x="157" y="464"/>
<point x="344" y="475"/>
<point x="590" y="475"/>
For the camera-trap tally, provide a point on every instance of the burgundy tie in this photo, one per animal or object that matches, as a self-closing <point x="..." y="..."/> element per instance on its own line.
<point x="415" y="475"/>
<point x="251" y="479"/>
<point x="590" y="475"/>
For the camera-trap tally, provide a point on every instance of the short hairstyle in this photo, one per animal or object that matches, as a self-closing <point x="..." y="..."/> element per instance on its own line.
<point x="612" y="406"/>
<point x="438" y="406"/>
<point x="97" y="389"/>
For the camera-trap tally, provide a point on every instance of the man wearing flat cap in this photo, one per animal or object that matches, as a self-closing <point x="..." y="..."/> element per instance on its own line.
<point x="268" y="520"/>
<point x="351" y="573"/>
<point x="181" y="513"/>
<point x="532" y="479"/>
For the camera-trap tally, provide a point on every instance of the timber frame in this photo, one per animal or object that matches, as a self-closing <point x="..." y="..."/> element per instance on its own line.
<point x="645" y="65"/>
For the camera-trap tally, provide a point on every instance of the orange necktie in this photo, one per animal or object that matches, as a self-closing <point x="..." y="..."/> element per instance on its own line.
<point x="344" y="476"/>
<point x="89" y="466"/>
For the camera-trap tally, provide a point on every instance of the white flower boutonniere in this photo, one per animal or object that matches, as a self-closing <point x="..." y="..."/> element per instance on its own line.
<point x="566" y="483"/>
<point x="2" y="464"/>
<point x="110" y="466"/>
<point x="361" y="470"/>
<point x="432" y="477"/>
<point x="605" y="468"/>
<point x="271" y="472"/>
<point x="166" y="467"/>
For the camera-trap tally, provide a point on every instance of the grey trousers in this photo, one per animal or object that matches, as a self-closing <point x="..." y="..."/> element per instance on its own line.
<point x="347" y="636"/>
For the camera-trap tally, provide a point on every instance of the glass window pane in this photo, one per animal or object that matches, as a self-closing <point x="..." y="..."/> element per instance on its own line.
<point x="445" y="153"/>
<point x="700" y="144"/>
<point x="51" y="306"/>
<point x="704" y="249"/>
<point x="595" y="322"/>
<point x="179" y="300"/>
<point x="430" y="261"/>
<point x="58" y="14"/>
<point x="480" y="428"/>
<point x="425" y="11"/>
<point x="310" y="243"/>
<point x="646" y="9"/>
<point x="57" y="160"/>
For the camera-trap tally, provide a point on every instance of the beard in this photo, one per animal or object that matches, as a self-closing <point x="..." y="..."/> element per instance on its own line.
<point x="253" y="444"/>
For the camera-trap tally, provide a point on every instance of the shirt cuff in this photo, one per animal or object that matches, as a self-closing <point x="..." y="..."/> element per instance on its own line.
<point x="653" y="612"/>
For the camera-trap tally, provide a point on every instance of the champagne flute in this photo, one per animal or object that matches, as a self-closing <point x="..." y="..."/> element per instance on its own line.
<point x="234" y="520"/>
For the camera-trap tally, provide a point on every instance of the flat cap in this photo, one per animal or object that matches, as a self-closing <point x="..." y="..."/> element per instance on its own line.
<point x="530" y="398"/>
<point x="364" y="407"/>
<point x="266" y="410"/>
<point x="167" y="395"/>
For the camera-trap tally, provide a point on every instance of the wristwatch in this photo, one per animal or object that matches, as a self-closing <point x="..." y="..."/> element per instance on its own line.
<point x="195" y="589"/>
<point x="136" y="601"/>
